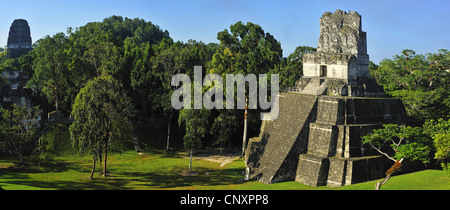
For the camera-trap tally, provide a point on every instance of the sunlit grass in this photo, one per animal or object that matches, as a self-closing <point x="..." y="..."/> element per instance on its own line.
<point x="158" y="169"/>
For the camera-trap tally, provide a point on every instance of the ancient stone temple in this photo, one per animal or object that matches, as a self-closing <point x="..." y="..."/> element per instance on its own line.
<point x="19" y="39"/>
<point x="19" y="43"/>
<point x="316" y="139"/>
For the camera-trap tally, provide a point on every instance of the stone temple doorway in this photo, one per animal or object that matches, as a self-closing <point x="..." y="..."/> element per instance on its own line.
<point x="323" y="71"/>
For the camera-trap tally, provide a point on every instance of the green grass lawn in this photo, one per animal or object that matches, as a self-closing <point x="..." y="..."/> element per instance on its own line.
<point x="160" y="170"/>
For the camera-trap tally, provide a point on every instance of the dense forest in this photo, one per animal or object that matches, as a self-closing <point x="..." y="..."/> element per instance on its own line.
<point x="111" y="80"/>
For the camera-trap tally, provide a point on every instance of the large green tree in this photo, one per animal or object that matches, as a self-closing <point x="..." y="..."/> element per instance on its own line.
<point x="64" y="63"/>
<point x="244" y="49"/>
<point x="223" y="127"/>
<point x="101" y="118"/>
<point x="421" y="81"/>
<point x="171" y="59"/>
<point x="51" y="75"/>
<point x="290" y="69"/>
<point x="18" y="127"/>
<point x="111" y="47"/>
<point x="399" y="142"/>
<point x="196" y="125"/>
<point x="439" y="132"/>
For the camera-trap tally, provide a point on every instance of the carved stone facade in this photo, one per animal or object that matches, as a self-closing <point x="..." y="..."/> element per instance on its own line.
<point x="316" y="139"/>
<point x="342" y="49"/>
<point x="341" y="55"/>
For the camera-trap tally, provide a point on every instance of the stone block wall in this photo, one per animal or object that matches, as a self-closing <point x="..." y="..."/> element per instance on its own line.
<point x="347" y="171"/>
<point x="312" y="170"/>
<point x="323" y="140"/>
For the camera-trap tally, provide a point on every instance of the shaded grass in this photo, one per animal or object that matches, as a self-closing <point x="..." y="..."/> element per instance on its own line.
<point x="163" y="170"/>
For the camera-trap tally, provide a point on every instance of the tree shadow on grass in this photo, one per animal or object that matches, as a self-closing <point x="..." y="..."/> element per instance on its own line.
<point x="166" y="154"/>
<point x="176" y="178"/>
<point x="30" y="176"/>
<point x="23" y="182"/>
<point x="24" y="179"/>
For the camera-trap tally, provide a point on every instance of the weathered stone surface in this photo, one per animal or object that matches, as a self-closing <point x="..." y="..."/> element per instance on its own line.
<point x="324" y="139"/>
<point x="356" y="110"/>
<point x="348" y="142"/>
<point x="331" y="110"/>
<point x="274" y="156"/>
<point x="337" y="172"/>
<point x="347" y="171"/>
<point x="374" y="110"/>
<point x="312" y="170"/>
<point x="340" y="32"/>
<point x="19" y="39"/>
<point x="361" y="87"/>
<point x="362" y="169"/>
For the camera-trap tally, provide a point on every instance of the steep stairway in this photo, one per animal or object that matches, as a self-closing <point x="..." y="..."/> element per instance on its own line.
<point x="286" y="137"/>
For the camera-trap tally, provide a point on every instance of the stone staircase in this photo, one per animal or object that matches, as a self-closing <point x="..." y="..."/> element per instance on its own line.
<point x="274" y="155"/>
<point x="315" y="86"/>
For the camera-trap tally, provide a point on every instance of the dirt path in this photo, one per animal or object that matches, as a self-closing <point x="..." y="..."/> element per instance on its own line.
<point x="213" y="156"/>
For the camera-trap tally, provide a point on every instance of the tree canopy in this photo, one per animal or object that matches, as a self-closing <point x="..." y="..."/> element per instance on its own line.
<point x="421" y="81"/>
<point x="63" y="64"/>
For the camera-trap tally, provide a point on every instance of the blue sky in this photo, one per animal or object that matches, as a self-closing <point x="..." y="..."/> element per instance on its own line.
<point x="391" y="26"/>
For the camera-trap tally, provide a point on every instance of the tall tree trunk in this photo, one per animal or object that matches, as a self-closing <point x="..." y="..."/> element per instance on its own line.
<point x="20" y="158"/>
<point x="56" y="100"/>
<point x="244" y="138"/>
<point x="394" y="168"/>
<point x="106" y="156"/>
<point x="168" y="130"/>
<point x="378" y="184"/>
<point x="100" y="160"/>
<point x="93" y="167"/>
<point x="190" y="161"/>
